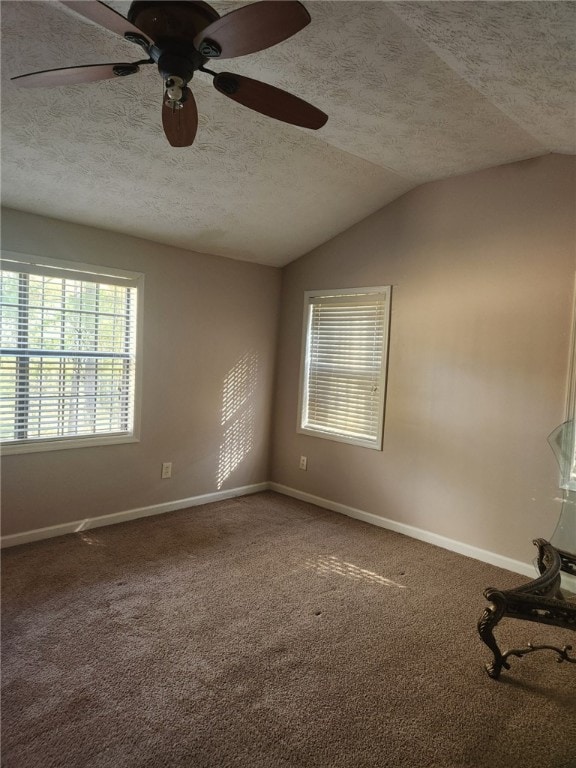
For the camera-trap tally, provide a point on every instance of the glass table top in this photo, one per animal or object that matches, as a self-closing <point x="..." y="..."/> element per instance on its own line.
<point x="563" y="443"/>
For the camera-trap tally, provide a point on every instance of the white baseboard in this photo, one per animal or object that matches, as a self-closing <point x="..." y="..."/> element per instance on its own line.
<point x="526" y="569"/>
<point x="130" y="514"/>
<point x="517" y="566"/>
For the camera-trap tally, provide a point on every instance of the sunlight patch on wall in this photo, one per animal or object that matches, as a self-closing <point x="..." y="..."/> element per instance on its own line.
<point x="326" y="566"/>
<point x="238" y="415"/>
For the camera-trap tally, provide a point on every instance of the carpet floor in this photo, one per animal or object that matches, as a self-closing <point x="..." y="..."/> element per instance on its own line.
<point x="264" y="632"/>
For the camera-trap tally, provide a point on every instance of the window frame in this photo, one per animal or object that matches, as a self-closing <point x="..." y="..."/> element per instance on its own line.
<point x="309" y="295"/>
<point x="112" y="276"/>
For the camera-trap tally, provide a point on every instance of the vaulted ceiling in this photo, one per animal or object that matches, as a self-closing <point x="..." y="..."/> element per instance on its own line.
<point x="415" y="91"/>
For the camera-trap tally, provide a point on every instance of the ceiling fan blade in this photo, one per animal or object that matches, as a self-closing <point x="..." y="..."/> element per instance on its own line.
<point x="180" y="125"/>
<point x="105" y="16"/>
<point x="87" y="73"/>
<point x="252" y="28"/>
<point x="269" y="100"/>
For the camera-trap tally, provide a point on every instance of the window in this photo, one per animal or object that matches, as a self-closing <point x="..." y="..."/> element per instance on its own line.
<point x="68" y="337"/>
<point x="344" y="365"/>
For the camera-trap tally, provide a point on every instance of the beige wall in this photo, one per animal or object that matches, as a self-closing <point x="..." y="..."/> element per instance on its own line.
<point x="482" y="268"/>
<point x="209" y="344"/>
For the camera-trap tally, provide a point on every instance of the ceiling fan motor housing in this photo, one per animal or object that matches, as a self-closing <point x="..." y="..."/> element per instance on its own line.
<point x="171" y="19"/>
<point x="175" y="64"/>
<point x="173" y="25"/>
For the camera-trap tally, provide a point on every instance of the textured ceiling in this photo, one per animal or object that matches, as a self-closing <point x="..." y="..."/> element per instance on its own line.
<point x="415" y="91"/>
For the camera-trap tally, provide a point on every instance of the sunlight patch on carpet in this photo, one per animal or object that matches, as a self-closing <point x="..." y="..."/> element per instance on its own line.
<point x="90" y="538"/>
<point x="328" y="565"/>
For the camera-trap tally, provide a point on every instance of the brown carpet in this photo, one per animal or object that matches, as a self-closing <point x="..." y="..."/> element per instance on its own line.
<point x="263" y="632"/>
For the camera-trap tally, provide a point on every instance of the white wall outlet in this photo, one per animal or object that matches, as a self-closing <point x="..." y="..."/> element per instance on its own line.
<point x="166" y="470"/>
<point x="303" y="462"/>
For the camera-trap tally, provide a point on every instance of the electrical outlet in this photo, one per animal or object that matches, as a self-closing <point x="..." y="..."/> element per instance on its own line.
<point x="303" y="462"/>
<point x="166" y="470"/>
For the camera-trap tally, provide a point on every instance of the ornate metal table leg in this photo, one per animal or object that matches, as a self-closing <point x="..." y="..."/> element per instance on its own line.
<point x="489" y="619"/>
<point x="540" y="600"/>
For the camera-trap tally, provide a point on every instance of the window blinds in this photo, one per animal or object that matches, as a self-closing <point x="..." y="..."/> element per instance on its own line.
<point x="68" y="354"/>
<point x="345" y="366"/>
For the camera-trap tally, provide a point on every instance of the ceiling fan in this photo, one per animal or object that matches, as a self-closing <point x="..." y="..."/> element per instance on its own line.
<point x="180" y="37"/>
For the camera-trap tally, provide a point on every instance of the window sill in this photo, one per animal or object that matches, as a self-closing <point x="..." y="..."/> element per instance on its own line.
<point x="8" y="449"/>
<point x="358" y="441"/>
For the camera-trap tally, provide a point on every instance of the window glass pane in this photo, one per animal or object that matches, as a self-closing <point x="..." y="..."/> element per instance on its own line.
<point x="7" y="397"/>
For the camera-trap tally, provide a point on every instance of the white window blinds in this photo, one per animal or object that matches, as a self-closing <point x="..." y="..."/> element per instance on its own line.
<point x="345" y="365"/>
<point x="68" y="342"/>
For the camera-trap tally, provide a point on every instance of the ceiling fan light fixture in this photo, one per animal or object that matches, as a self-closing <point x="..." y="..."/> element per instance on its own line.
<point x="174" y="90"/>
